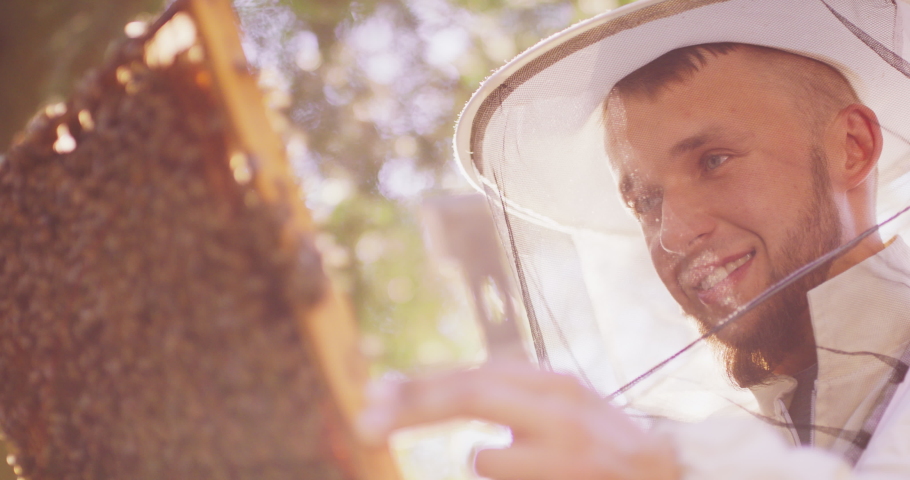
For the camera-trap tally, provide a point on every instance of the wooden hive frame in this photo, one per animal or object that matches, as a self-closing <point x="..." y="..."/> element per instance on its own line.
<point x="329" y="328"/>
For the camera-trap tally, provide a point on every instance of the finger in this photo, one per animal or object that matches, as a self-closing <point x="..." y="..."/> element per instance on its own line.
<point x="533" y="462"/>
<point x="526" y="380"/>
<point x="428" y="401"/>
<point x="546" y="383"/>
<point x="514" y="463"/>
<point x="520" y="376"/>
<point x="536" y="462"/>
<point x="530" y="403"/>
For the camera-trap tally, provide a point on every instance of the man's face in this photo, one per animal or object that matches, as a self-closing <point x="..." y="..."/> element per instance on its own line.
<point x="730" y="187"/>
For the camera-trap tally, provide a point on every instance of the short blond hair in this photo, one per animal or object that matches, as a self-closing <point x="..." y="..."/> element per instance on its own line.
<point x="818" y="89"/>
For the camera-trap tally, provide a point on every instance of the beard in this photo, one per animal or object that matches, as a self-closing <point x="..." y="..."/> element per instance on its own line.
<point x="759" y="341"/>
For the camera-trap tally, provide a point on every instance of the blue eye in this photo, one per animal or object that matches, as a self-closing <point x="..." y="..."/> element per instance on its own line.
<point x="713" y="161"/>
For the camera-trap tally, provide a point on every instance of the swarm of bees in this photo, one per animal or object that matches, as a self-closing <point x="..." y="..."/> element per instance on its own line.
<point x="146" y="327"/>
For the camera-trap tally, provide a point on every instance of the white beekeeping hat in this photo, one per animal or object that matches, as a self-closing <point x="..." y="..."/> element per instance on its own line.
<point x="523" y="115"/>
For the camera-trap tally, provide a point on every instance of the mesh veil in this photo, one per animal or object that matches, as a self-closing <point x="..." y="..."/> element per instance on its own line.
<point x="532" y="140"/>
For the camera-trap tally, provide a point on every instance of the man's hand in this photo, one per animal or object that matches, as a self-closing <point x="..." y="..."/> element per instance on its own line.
<point x="560" y="429"/>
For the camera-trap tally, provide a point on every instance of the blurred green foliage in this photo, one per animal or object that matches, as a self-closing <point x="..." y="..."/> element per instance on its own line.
<point x="375" y="89"/>
<point x="46" y="45"/>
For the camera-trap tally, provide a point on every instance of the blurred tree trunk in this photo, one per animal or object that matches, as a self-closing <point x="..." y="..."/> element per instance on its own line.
<point x="46" y="45"/>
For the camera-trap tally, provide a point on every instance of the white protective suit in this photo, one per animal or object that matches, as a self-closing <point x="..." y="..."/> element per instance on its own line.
<point x="865" y="309"/>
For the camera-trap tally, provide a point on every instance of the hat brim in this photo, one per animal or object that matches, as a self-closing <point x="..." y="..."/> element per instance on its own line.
<point x="536" y="120"/>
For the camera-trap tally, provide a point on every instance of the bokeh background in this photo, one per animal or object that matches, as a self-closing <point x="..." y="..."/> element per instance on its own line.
<point x="370" y="91"/>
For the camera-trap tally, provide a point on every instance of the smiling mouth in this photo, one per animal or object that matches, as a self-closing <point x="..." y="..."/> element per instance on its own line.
<point x="720" y="273"/>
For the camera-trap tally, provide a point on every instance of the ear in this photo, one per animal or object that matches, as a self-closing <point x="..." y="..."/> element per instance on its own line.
<point x="860" y="137"/>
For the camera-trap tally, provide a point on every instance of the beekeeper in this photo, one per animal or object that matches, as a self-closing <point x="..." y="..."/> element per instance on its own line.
<point x="748" y="139"/>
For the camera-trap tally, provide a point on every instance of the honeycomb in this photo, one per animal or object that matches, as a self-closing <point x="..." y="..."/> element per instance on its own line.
<point x="147" y="324"/>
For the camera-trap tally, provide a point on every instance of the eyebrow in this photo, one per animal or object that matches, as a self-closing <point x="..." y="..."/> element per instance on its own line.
<point x="695" y="141"/>
<point x="690" y="144"/>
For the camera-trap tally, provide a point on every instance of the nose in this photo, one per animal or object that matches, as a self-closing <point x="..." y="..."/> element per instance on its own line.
<point x="684" y="222"/>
